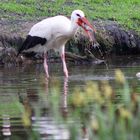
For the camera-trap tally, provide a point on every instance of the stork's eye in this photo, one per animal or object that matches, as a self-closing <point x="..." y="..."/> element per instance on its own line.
<point x="78" y="15"/>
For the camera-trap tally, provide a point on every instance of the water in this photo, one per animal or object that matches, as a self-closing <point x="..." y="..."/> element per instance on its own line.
<point x="26" y="88"/>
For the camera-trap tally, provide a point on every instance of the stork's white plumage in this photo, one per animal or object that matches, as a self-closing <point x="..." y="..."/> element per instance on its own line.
<point x="53" y="33"/>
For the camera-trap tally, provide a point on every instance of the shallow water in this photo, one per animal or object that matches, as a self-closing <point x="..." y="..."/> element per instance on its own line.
<point x="26" y="87"/>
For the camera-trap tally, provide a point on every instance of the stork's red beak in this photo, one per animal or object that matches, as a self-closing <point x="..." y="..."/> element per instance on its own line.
<point x="85" y="24"/>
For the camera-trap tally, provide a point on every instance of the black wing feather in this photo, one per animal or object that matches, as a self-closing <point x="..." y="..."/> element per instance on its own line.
<point x="30" y="42"/>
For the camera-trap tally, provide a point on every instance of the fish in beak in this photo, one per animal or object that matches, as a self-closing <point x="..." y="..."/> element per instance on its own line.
<point x="85" y="24"/>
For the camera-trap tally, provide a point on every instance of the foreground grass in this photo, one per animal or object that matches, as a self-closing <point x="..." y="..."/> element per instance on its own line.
<point x="94" y="112"/>
<point x="125" y="12"/>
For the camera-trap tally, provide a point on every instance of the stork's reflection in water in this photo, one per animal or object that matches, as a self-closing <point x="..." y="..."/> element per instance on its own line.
<point x="46" y="124"/>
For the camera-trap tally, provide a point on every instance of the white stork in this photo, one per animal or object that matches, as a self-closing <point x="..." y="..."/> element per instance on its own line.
<point x="53" y="33"/>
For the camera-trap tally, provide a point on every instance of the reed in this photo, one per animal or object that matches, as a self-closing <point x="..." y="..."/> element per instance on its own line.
<point x="95" y="112"/>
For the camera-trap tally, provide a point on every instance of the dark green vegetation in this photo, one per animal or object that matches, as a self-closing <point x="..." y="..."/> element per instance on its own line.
<point x="124" y="12"/>
<point x="100" y="110"/>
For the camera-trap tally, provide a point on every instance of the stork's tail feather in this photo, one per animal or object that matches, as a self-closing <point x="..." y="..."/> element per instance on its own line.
<point x="30" y="42"/>
<point x="24" y="46"/>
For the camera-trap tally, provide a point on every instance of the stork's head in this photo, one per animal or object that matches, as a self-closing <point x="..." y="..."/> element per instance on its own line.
<point x="78" y="17"/>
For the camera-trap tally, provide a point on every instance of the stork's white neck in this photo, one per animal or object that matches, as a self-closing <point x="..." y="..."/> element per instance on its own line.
<point x="74" y="27"/>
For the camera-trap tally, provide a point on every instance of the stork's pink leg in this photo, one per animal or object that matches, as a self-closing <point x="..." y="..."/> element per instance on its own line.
<point x="46" y="65"/>
<point x="64" y="64"/>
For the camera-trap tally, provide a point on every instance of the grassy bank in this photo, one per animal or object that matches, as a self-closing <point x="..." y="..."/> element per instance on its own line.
<point x="125" y="12"/>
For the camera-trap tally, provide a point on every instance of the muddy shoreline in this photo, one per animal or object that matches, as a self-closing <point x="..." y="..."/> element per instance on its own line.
<point x="111" y="40"/>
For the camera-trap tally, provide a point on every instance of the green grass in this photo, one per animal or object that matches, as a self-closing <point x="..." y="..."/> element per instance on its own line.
<point x="124" y="12"/>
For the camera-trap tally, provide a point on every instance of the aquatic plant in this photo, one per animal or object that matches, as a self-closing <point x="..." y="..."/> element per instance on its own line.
<point x="95" y="112"/>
